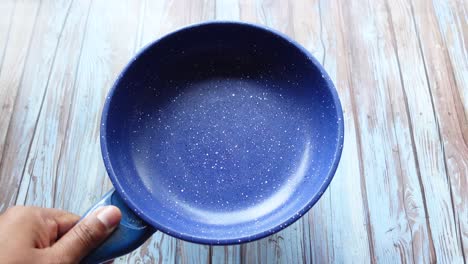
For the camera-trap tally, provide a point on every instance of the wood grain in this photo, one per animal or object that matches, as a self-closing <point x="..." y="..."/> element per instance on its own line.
<point x="41" y="139"/>
<point x="344" y="204"/>
<point x="427" y="144"/>
<point x="7" y="9"/>
<point x="454" y="32"/>
<point x="16" y="51"/>
<point x="394" y="195"/>
<point x="400" y="68"/>
<point x="379" y="166"/>
<point x="452" y="129"/>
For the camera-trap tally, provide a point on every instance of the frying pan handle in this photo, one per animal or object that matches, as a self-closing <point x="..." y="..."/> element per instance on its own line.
<point x="129" y="235"/>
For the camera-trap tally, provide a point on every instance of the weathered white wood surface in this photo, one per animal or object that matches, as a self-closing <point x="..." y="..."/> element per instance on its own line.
<point x="400" y="194"/>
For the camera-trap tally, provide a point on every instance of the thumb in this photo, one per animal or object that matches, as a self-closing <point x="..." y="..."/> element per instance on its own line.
<point x="87" y="234"/>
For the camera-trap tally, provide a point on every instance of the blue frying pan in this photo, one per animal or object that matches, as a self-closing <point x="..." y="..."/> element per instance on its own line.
<point x="219" y="133"/>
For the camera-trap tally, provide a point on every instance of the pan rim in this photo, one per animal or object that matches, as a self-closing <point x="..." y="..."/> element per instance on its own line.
<point x="247" y="238"/>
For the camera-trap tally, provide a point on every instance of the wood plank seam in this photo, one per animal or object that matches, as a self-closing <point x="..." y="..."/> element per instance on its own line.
<point x="47" y="86"/>
<point x="324" y="56"/>
<point x="461" y="117"/>
<point x="332" y="253"/>
<point x="400" y="172"/>
<point x="435" y="116"/>
<point x="75" y="81"/>
<point x="7" y="35"/>
<point x="72" y="100"/>
<point x="411" y="132"/>
<point x="410" y="124"/>
<point x="461" y="242"/>
<point x="2" y="158"/>
<point x="40" y="113"/>
<point x="210" y="248"/>
<point x="453" y="79"/>
<point x="457" y="91"/>
<point x="140" y="29"/>
<point x="370" y="235"/>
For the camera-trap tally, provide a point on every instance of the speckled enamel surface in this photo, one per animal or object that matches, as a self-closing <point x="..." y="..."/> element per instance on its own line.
<point x="222" y="133"/>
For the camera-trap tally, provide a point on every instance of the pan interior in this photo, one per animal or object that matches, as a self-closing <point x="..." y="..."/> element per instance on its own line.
<point x="221" y="133"/>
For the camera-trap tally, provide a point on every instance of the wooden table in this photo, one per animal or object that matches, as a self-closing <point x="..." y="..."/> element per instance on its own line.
<point x="401" y="69"/>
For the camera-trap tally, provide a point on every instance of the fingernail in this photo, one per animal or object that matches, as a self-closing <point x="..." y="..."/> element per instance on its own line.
<point x="109" y="216"/>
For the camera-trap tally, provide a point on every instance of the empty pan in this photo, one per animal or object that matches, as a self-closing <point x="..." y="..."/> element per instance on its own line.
<point x="219" y="133"/>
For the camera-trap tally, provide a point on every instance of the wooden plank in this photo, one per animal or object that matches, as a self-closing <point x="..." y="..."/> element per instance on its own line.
<point x="160" y="248"/>
<point x="78" y="162"/>
<point x="107" y="46"/>
<point x="399" y="232"/>
<point x="66" y="27"/>
<point x="453" y="25"/>
<point x="452" y="127"/>
<point x="153" y="22"/>
<point x="7" y="9"/>
<point x="426" y="140"/>
<point x="106" y="49"/>
<point x="277" y="15"/>
<point x="412" y="193"/>
<point x="227" y="10"/>
<point x="192" y="253"/>
<point x="248" y="11"/>
<point x="343" y="205"/>
<point x="226" y="254"/>
<point x="36" y="77"/>
<point x="13" y="65"/>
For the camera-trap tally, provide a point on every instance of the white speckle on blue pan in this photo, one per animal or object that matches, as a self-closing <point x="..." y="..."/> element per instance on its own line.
<point x="221" y="152"/>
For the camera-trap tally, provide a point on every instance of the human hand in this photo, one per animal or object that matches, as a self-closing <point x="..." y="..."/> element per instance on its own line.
<point x="43" y="235"/>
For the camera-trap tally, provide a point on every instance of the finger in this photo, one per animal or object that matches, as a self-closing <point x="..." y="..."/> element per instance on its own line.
<point x="87" y="234"/>
<point x="58" y="222"/>
<point x="64" y="220"/>
<point x="53" y="212"/>
<point x="65" y="223"/>
<point x="60" y="225"/>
